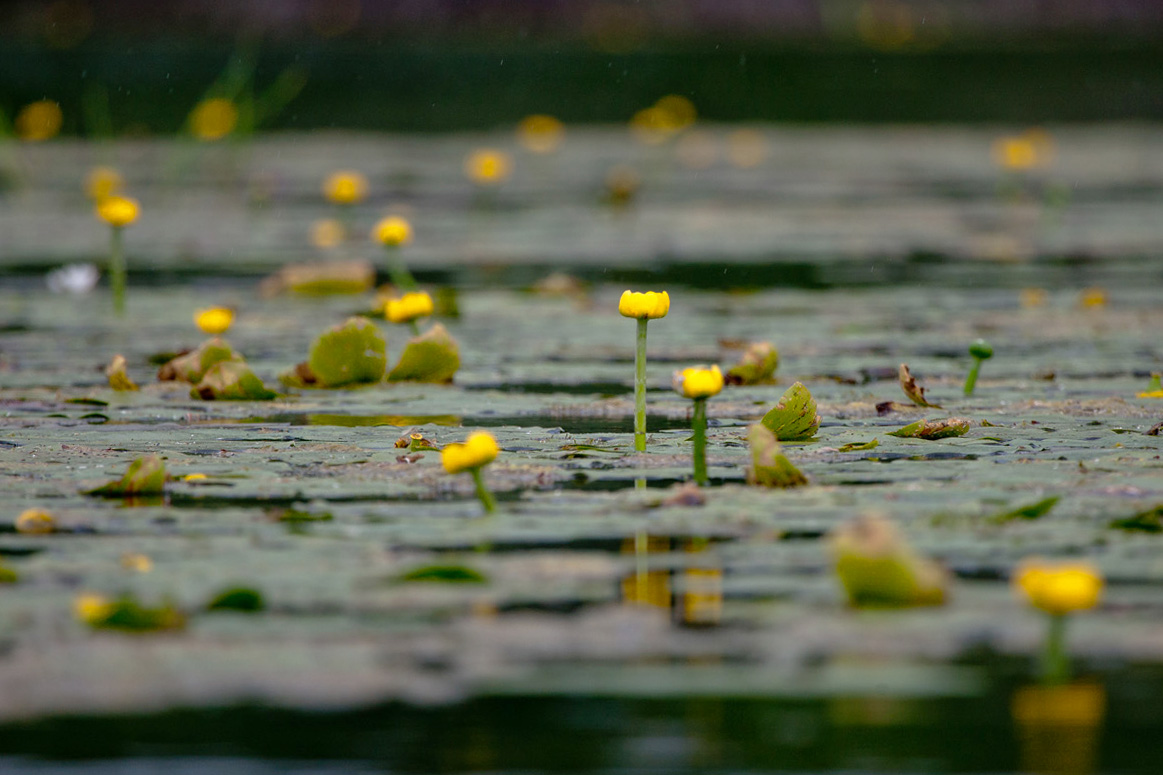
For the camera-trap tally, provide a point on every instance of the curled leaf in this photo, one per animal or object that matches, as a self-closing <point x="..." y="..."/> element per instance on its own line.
<point x="915" y="392"/>
<point x="794" y="418"/>
<point x="856" y="447"/>
<point x="1029" y="511"/>
<point x="321" y="278"/>
<point x="118" y="376"/>
<point x="192" y="366"/>
<point x="231" y="381"/>
<point x="933" y="429"/>
<point x="769" y="466"/>
<point x="432" y="357"/>
<point x="145" y="476"/>
<point x="348" y="354"/>
<point x="757" y="364"/>
<point x="878" y="568"/>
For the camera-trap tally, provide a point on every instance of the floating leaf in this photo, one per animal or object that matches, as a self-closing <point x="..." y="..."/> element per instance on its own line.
<point x="794" y="418"/>
<point x="118" y="376"/>
<point x="192" y="366"/>
<point x="934" y="429"/>
<point x="321" y="278"/>
<point x="8" y="576"/>
<point x="129" y="615"/>
<point x="769" y="466"/>
<point x="87" y="401"/>
<point x="145" y="476"/>
<point x="286" y="514"/>
<point x="1029" y="511"/>
<point x="432" y="357"/>
<point x="757" y="364"/>
<point x="878" y="568"/>
<point x="231" y="381"/>
<point x="856" y="447"/>
<point x="237" y="599"/>
<point x="915" y="392"/>
<point x="349" y="354"/>
<point x="449" y="574"/>
<point x="1149" y="521"/>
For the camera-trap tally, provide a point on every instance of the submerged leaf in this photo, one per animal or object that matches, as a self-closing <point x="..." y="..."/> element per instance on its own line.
<point x="769" y="466"/>
<point x="349" y="354"/>
<point x="1149" y="521"/>
<point x="455" y="574"/>
<point x="1029" y="511"/>
<point x="237" y="599"/>
<point x="145" y="476"/>
<point x="933" y="429"/>
<point x="432" y="357"/>
<point x="231" y="381"/>
<point x="758" y="363"/>
<point x="915" y="392"/>
<point x="794" y="418"/>
<point x="192" y="366"/>
<point x="118" y="376"/>
<point x="878" y="568"/>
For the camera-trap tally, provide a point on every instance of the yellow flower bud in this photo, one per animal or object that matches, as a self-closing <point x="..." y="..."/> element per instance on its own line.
<point x="37" y="521"/>
<point x="215" y="320"/>
<point x="478" y="449"/>
<point x="408" y="307"/>
<point x="345" y="187"/>
<point x="1059" y="588"/>
<point x="91" y="608"/>
<point x="644" y="305"/>
<point x="118" y="211"/>
<point x="393" y="231"/>
<point x="698" y="381"/>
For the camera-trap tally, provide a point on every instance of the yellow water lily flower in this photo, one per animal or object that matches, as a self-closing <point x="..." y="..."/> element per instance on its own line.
<point x="345" y="187"/>
<point x="1059" y="588"/>
<point x="393" y="231"/>
<point x="38" y="121"/>
<point x="35" y="521"/>
<point x="699" y="381"/>
<point x="488" y="166"/>
<point x="540" y="133"/>
<point x="215" y="320"/>
<point x="644" y="306"/>
<point x="478" y="450"/>
<point x="213" y="119"/>
<point x="118" y="211"/>
<point x="408" y="307"/>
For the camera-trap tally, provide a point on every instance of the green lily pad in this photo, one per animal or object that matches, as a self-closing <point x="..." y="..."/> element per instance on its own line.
<point x="878" y="568"/>
<point x="145" y="476"/>
<point x="794" y="418"/>
<point x="1029" y="511"/>
<point x="449" y="574"/>
<point x="192" y="366"/>
<point x="231" y="381"/>
<point x="432" y="357"/>
<point x="933" y="429"/>
<point x="7" y="575"/>
<point x="128" y="615"/>
<point x="349" y="354"/>
<point x="237" y="599"/>
<point x="858" y="447"/>
<point x="769" y="466"/>
<point x="757" y="364"/>
<point x="1149" y="521"/>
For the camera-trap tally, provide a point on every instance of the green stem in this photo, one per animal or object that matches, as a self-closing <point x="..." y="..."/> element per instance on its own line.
<point x="971" y="378"/>
<point x="1055" y="664"/>
<point x="415" y="327"/>
<point x="398" y="272"/>
<point x="117" y="271"/>
<point x="640" y="388"/>
<point x="483" y="493"/>
<point x="699" y="425"/>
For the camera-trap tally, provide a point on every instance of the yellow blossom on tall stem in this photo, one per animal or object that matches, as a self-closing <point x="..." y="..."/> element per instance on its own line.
<point x="1059" y="589"/>
<point x="699" y="383"/>
<point x="642" y="307"/>
<point x="118" y="212"/>
<point x="393" y="232"/>
<point x="476" y="452"/>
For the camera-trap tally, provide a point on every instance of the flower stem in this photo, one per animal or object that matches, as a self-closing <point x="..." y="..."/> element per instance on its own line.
<point x="971" y="378"/>
<point x="483" y="493"/>
<point x="117" y="271"/>
<point x="640" y="388"/>
<point x="415" y="327"/>
<point x="1055" y="664"/>
<point x="398" y="272"/>
<point x="699" y="426"/>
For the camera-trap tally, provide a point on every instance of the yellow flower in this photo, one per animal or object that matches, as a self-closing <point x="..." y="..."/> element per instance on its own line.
<point x="213" y="119"/>
<point x="1150" y="394"/>
<point x="103" y="182"/>
<point x="699" y="381"/>
<point x="91" y="608"/>
<point x="327" y="233"/>
<point x="540" y="133"/>
<point x="393" y="231"/>
<point x="35" y="521"/>
<point x="478" y="449"/>
<point x="38" y="121"/>
<point x="1092" y="298"/>
<point x="345" y="187"/>
<point x="408" y="307"/>
<point x="215" y="320"/>
<point x="488" y="166"/>
<point x="118" y="211"/>
<point x="1015" y="153"/>
<point x="679" y="111"/>
<point x="136" y="562"/>
<point x="644" y="305"/>
<point x="1059" y="588"/>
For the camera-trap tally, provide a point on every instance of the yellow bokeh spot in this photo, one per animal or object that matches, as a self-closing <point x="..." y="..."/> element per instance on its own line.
<point x="679" y="111"/>
<point x="35" y="521"/>
<point x="213" y="119"/>
<point x="699" y="382"/>
<point x="327" y="233"/>
<point x="746" y="148"/>
<point x="118" y="211"/>
<point x="644" y="306"/>
<point x="91" y="608"/>
<point x="540" y="133"/>
<point x="885" y="24"/>
<point x="478" y="449"/>
<point x="1030" y="298"/>
<point x="488" y="166"/>
<point x="408" y="307"/>
<point x="393" y="231"/>
<point x="138" y="563"/>
<point x="215" y="320"/>
<point x="1059" y="588"/>
<point x="345" y="187"/>
<point x="103" y="182"/>
<point x="39" y="121"/>
<point x="697" y="150"/>
<point x="1093" y="297"/>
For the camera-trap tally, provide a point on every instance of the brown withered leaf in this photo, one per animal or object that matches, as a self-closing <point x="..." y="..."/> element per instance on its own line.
<point x="885" y="408"/>
<point x="915" y="392"/>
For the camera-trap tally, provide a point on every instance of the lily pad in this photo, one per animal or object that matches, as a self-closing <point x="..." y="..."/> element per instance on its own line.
<point x="859" y="447"/>
<point x="145" y="476"/>
<point x="1149" y="521"/>
<point x="349" y="354"/>
<point x="192" y="366"/>
<point x="128" y="615"/>
<point x="909" y="385"/>
<point x="769" y="466"/>
<point x="449" y="574"/>
<point x="757" y="364"/>
<point x="323" y="278"/>
<point x="432" y="357"/>
<point x="1029" y="511"/>
<point x="933" y="429"/>
<point x="231" y="381"/>
<point x="878" y="568"/>
<point x="8" y="576"/>
<point x="243" y="599"/>
<point x="794" y="418"/>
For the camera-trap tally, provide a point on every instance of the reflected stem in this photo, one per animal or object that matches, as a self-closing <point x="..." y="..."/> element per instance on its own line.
<point x="699" y="426"/>
<point x="1055" y="664"/>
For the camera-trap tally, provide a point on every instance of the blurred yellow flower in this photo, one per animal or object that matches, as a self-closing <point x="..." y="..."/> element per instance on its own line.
<point x="1059" y="588"/>
<point x="1092" y="297"/>
<point x="39" y="121"/>
<point x="540" y="133"/>
<point x="698" y="382"/>
<point x="1030" y="298"/>
<point x="345" y="187"/>
<point x="327" y="233"/>
<point x="679" y="111"/>
<point x="118" y="211"/>
<point x="214" y="320"/>
<point x="1033" y="148"/>
<point x="408" y="307"/>
<point x="393" y="231"/>
<point x="139" y="563"/>
<point x="647" y="305"/>
<point x="213" y="119"/>
<point x="35" y="521"/>
<point x="103" y="182"/>
<point x="479" y="449"/>
<point x="488" y="166"/>
<point x="91" y="608"/>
